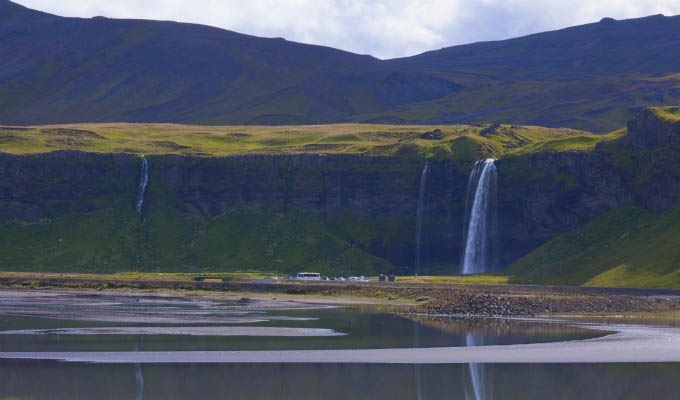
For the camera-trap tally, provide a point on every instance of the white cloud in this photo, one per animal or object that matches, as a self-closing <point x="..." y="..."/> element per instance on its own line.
<point x="383" y="28"/>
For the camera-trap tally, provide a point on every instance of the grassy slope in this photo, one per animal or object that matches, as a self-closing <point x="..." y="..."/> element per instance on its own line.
<point x="593" y="77"/>
<point x="600" y="104"/>
<point x="458" y="141"/>
<point x="118" y="239"/>
<point x="669" y="113"/>
<point x="628" y="246"/>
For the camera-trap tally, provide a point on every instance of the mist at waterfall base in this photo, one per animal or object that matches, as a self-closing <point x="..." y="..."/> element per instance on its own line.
<point x="143" y="182"/>
<point x="419" y="216"/>
<point x="480" y="235"/>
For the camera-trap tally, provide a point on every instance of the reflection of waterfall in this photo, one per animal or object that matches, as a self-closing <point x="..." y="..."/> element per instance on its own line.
<point x="478" y="375"/>
<point x="417" y="367"/>
<point x="479" y="237"/>
<point x="143" y="181"/>
<point x="419" y="214"/>
<point x="140" y="382"/>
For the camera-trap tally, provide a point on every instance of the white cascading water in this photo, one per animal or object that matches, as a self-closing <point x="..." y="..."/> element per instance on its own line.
<point x="143" y="182"/>
<point x="419" y="214"/>
<point x="480" y="222"/>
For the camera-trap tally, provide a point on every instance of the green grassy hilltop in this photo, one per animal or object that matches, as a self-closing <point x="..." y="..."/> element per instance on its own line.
<point x="444" y="141"/>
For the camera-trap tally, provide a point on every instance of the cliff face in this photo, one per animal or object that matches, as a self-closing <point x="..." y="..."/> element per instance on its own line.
<point x="544" y="195"/>
<point x="369" y="202"/>
<point x="48" y="185"/>
<point x="654" y="146"/>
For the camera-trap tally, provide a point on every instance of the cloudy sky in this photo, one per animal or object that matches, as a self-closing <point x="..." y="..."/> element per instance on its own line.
<point x="383" y="28"/>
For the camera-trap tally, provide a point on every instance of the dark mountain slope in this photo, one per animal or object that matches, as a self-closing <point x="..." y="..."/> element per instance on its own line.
<point x="594" y="77"/>
<point x="643" y="45"/>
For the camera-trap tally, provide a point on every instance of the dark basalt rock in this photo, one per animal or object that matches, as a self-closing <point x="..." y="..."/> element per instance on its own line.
<point x="491" y="129"/>
<point x="655" y="149"/>
<point x="433" y="135"/>
<point x="540" y="195"/>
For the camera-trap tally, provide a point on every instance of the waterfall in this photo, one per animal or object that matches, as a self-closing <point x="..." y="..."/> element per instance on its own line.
<point x="143" y="182"/>
<point x="477" y="372"/>
<point x="479" y="237"/>
<point x="419" y="214"/>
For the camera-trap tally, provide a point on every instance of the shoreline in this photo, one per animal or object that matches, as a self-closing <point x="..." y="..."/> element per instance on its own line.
<point x="424" y="298"/>
<point x="639" y="344"/>
<point x="618" y="343"/>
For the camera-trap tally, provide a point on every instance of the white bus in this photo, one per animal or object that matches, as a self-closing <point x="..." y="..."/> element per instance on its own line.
<point x="308" y="276"/>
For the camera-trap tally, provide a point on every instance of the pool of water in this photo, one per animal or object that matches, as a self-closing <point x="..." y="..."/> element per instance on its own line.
<point x="73" y="381"/>
<point x="69" y="324"/>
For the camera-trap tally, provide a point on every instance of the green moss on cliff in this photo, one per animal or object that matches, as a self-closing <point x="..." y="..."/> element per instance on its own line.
<point x="461" y="142"/>
<point x="668" y="113"/>
<point x="118" y="239"/>
<point x="627" y="247"/>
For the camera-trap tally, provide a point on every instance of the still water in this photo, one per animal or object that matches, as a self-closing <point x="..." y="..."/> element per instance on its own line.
<point x="53" y="380"/>
<point x="26" y="326"/>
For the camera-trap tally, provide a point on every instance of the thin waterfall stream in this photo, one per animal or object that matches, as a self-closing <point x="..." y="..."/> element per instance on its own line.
<point x="419" y="215"/>
<point x="480" y="248"/>
<point x="143" y="182"/>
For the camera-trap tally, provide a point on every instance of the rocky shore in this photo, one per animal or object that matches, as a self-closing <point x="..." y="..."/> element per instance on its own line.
<point x="433" y="299"/>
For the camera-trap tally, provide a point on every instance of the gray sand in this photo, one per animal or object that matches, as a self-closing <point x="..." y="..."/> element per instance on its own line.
<point x="627" y="344"/>
<point x="151" y="308"/>
<point x="184" y="330"/>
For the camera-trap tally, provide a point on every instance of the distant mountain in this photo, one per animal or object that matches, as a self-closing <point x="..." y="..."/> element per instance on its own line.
<point x="593" y="77"/>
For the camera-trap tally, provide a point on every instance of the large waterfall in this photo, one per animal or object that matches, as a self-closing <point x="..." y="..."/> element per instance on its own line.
<point x="143" y="182"/>
<point x="419" y="214"/>
<point x="479" y="237"/>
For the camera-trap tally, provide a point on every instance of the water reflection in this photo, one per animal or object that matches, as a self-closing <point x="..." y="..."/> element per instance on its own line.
<point x="363" y="329"/>
<point x="478" y="385"/>
<point x="417" y="367"/>
<point x="74" y="381"/>
<point x="139" y="379"/>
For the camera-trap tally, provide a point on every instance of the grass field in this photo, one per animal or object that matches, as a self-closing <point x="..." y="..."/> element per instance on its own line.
<point x="669" y="113"/>
<point x="140" y="276"/>
<point x="118" y="239"/>
<point x="455" y="141"/>
<point x="627" y="247"/>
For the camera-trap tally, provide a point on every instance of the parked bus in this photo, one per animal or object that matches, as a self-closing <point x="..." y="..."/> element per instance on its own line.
<point x="308" y="276"/>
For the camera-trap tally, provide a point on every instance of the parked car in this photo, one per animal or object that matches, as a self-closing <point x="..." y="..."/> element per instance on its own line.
<point x="357" y="278"/>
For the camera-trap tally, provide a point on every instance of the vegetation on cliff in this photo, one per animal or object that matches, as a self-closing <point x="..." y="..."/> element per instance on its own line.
<point x="668" y="113"/>
<point x="118" y="239"/>
<point x="626" y="247"/>
<point x="339" y="199"/>
<point x="461" y="142"/>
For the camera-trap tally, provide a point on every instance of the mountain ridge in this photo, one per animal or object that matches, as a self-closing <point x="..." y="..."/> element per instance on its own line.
<point x="70" y="70"/>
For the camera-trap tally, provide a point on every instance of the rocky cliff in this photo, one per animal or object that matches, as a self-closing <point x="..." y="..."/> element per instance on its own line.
<point x="653" y="145"/>
<point x="365" y="204"/>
